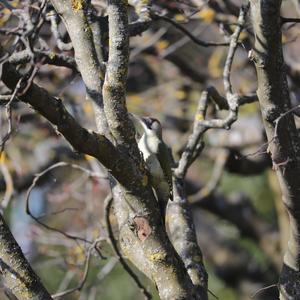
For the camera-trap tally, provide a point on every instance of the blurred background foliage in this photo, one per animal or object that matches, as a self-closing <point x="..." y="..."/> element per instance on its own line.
<point x="167" y="74"/>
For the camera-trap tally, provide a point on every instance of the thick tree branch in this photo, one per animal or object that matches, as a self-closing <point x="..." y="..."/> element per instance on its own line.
<point x="183" y="236"/>
<point x="81" y="139"/>
<point x="114" y="88"/>
<point x="143" y="222"/>
<point x="284" y="145"/>
<point x="51" y="58"/>
<point x="108" y="206"/>
<point x="16" y="272"/>
<point x="91" y="69"/>
<point x="179" y="216"/>
<point x="159" y="259"/>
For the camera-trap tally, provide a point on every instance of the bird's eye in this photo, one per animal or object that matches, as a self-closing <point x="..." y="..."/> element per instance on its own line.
<point x="155" y="125"/>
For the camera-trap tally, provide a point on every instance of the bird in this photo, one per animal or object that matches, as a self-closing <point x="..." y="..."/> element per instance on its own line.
<point x="157" y="157"/>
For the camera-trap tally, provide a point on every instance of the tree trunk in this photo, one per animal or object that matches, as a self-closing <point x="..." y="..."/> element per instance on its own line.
<point x="283" y="147"/>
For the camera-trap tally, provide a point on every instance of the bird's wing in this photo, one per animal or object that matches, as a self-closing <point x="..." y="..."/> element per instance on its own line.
<point x="166" y="163"/>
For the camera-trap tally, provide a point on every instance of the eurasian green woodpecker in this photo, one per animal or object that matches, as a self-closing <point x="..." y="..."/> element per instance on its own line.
<point x="157" y="158"/>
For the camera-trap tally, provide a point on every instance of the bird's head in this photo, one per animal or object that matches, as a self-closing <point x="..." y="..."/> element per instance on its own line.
<point x="153" y="125"/>
<point x="149" y="125"/>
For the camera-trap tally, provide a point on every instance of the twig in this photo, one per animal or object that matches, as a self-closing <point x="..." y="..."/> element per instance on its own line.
<point x="142" y="9"/>
<point x="54" y="19"/>
<point x="232" y="49"/>
<point x="232" y="103"/>
<point x="289" y="20"/>
<point x="9" y="186"/>
<point x="47" y="57"/>
<point x="85" y="273"/>
<point x="188" y="157"/>
<point x="263" y="289"/>
<point x="108" y="204"/>
<point x="213" y="294"/>
<point x="180" y="43"/>
<point x="261" y="150"/>
<point x="5" y="98"/>
<point x="34" y="182"/>
<point x="188" y="33"/>
<point x="9" y="115"/>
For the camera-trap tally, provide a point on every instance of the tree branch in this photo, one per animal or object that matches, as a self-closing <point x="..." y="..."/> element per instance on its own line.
<point x="16" y="272"/>
<point x="81" y="139"/>
<point x="90" y="67"/>
<point x="47" y="57"/>
<point x="283" y="139"/>
<point x="108" y="206"/>
<point x="114" y="88"/>
<point x="187" y="33"/>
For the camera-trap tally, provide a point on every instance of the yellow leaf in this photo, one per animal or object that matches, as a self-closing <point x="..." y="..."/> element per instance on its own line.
<point x="77" y="255"/>
<point x="136" y="99"/>
<point x="215" y="63"/>
<point x="180" y="18"/>
<point x="243" y="35"/>
<point x="180" y="94"/>
<point x="2" y="158"/>
<point x="4" y="16"/>
<point x="284" y="38"/>
<point x="199" y="117"/>
<point x="87" y="107"/>
<point x="207" y="15"/>
<point x="88" y="157"/>
<point x="161" y="45"/>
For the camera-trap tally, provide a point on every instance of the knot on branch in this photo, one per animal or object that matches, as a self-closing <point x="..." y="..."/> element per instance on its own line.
<point x="258" y="58"/>
<point x="271" y="114"/>
<point x="233" y="101"/>
<point x="142" y="228"/>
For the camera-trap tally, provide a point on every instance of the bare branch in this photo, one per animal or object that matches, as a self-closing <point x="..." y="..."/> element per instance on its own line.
<point x="114" y="88"/>
<point x="85" y="273"/>
<point x="283" y="137"/>
<point x="32" y="186"/>
<point x="188" y="33"/>
<point x="91" y="69"/>
<point x="200" y="124"/>
<point x="231" y="51"/>
<point x="54" y="19"/>
<point x="289" y="20"/>
<point x="183" y="236"/>
<point x="25" y="56"/>
<point x="142" y="9"/>
<point x="16" y="272"/>
<point x="9" y="186"/>
<point x="81" y="139"/>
